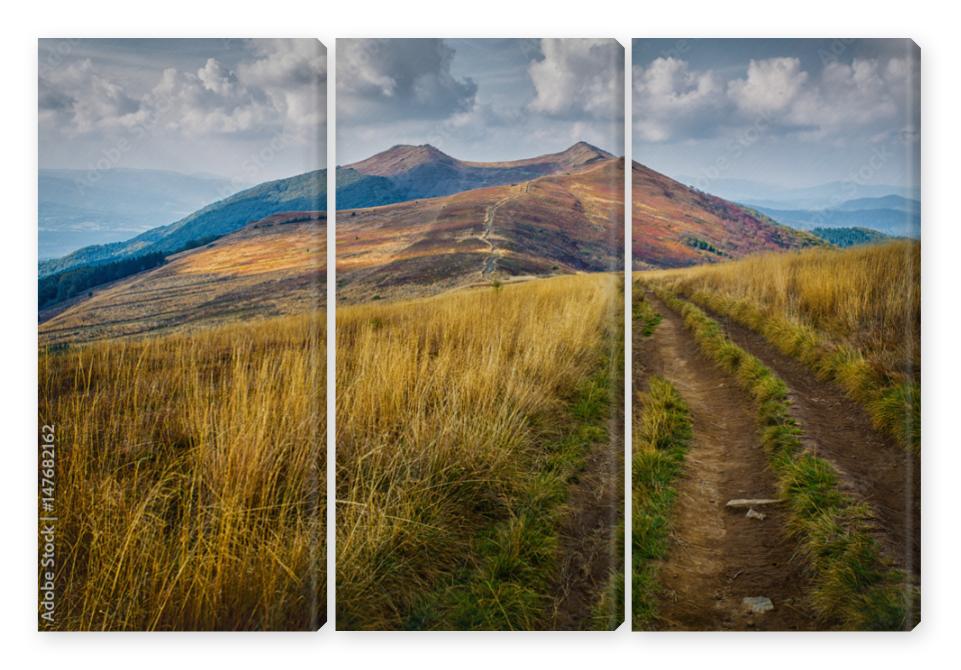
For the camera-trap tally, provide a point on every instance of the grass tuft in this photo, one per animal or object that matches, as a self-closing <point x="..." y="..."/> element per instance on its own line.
<point x="663" y="431"/>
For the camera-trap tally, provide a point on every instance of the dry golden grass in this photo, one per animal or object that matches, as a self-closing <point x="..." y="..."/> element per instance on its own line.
<point x="190" y="479"/>
<point x="441" y="409"/>
<point x="867" y="297"/>
<point x="852" y="315"/>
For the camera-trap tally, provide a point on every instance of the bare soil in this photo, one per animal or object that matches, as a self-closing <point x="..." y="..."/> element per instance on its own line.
<point x="873" y="467"/>
<point x="717" y="557"/>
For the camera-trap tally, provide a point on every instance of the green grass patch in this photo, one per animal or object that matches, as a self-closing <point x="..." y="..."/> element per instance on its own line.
<point x="854" y="586"/>
<point x="645" y="316"/>
<point x="662" y="435"/>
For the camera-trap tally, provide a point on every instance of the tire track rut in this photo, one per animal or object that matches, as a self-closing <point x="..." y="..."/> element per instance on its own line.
<point x="873" y="467"/>
<point x="717" y="557"/>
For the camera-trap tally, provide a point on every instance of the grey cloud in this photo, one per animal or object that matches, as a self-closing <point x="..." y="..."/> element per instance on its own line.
<point x="277" y="86"/>
<point x="579" y="78"/>
<point x="673" y="102"/>
<point x="395" y="79"/>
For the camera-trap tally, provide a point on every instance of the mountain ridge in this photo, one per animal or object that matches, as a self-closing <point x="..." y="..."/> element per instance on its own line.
<point x="401" y="173"/>
<point x="677" y="226"/>
<point x="424" y="171"/>
<point x="305" y="191"/>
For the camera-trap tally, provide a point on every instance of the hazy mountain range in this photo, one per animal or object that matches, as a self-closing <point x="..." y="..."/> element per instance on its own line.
<point x="78" y="208"/>
<point x="901" y="219"/>
<point x="829" y="195"/>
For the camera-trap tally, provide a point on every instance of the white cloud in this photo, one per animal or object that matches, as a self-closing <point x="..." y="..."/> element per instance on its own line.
<point x="673" y="102"/>
<point x="668" y="97"/>
<point x="83" y="101"/>
<point x="578" y="77"/>
<point x="770" y="87"/>
<point x="278" y="88"/>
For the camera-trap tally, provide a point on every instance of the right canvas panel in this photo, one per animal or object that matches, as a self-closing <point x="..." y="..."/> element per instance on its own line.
<point x="776" y="335"/>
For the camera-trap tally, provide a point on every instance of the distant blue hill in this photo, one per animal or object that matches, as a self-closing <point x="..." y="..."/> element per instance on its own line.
<point x="829" y="195"/>
<point x="895" y="202"/>
<point x="78" y="208"/>
<point x="303" y="192"/>
<point x="902" y="218"/>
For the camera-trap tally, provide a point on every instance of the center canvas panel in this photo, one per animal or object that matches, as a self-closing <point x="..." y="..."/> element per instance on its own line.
<point x="480" y="233"/>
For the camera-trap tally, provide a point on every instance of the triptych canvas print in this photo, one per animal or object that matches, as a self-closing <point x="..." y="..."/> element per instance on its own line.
<point x="498" y="465"/>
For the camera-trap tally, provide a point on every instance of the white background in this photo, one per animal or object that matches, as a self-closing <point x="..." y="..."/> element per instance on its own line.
<point x="927" y="23"/>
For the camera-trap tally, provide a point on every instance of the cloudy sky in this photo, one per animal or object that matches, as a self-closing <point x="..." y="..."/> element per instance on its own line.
<point x="478" y="99"/>
<point x="788" y="112"/>
<point x="250" y="110"/>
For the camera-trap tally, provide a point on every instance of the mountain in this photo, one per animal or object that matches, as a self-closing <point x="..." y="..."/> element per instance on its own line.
<point x="902" y="221"/>
<point x="851" y="237"/>
<point x="77" y="208"/>
<point x="559" y="223"/>
<point x="271" y="267"/>
<point x="399" y="174"/>
<point x="676" y="226"/>
<point x="895" y="202"/>
<point x="819" y="196"/>
<point x="406" y="172"/>
<point x="307" y="191"/>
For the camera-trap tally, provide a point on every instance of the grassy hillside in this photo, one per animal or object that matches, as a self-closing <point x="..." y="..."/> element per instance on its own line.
<point x="272" y="267"/>
<point x="854" y="315"/>
<point x="461" y="421"/>
<point x="180" y="505"/>
<point x="678" y="226"/>
<point x="551" y="225"/>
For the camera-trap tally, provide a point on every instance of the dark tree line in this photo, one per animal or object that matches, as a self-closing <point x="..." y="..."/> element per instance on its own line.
<point x="70" y="283"/>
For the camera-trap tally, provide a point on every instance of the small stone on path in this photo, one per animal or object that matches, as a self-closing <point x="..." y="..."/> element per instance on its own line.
<point x="758" y="604"/>
<point x="751" y="514"/>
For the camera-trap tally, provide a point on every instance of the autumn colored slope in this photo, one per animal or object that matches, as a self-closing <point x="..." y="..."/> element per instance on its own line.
<point x="562" y="223"/>
<point x="424" y="171"/>
<point x="272" y="267"/>
<point x="678" y="226"/>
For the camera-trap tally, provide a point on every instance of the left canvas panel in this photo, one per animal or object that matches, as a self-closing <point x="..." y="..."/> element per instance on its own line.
<point x="181" y="334"/>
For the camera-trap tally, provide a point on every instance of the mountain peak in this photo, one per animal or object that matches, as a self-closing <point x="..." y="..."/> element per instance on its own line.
<point x="400" y="158"/>
<point x="587" y="146"/>
<point x="582" y="153"/>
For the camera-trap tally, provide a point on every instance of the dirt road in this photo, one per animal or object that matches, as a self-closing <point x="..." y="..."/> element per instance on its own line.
<point x="718" y="557"/>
